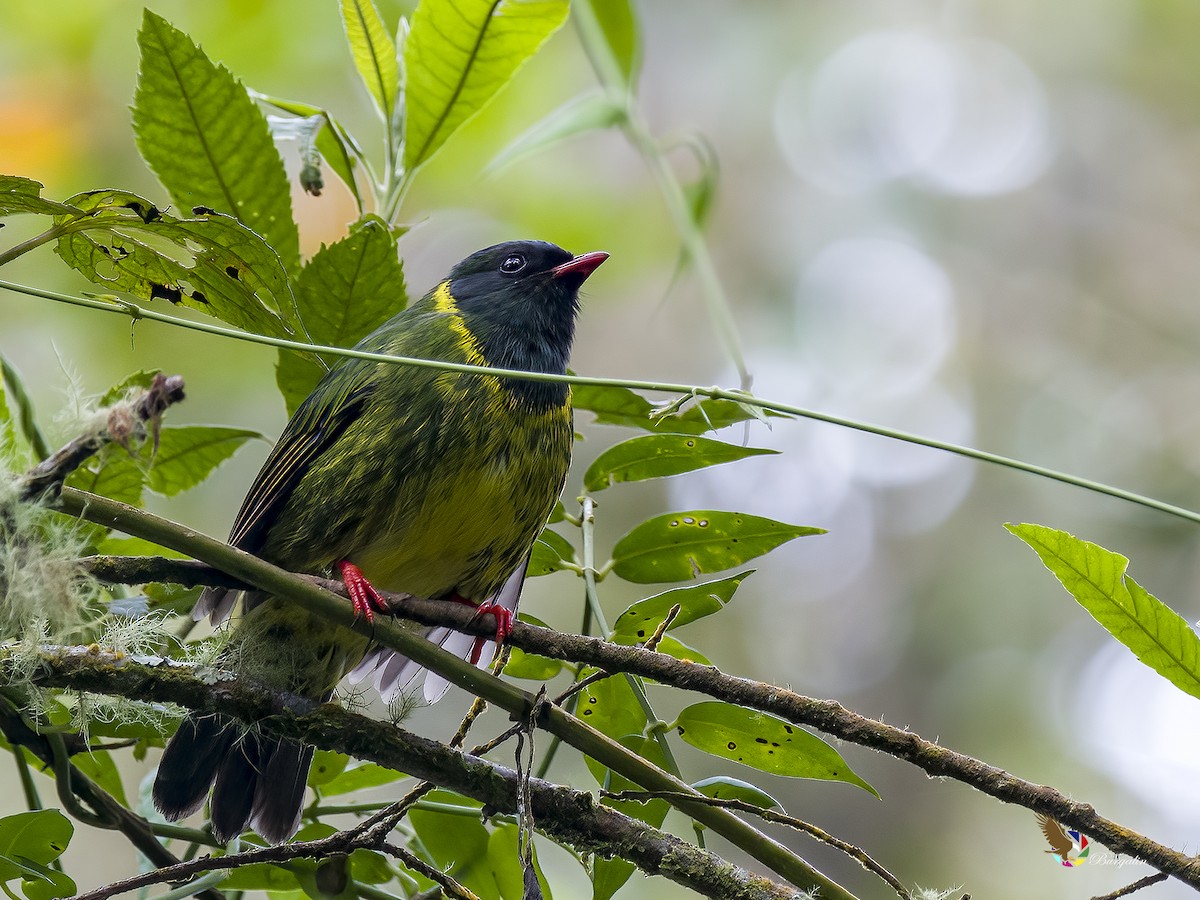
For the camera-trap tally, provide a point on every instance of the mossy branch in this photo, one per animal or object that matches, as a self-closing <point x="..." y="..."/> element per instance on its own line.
<point x="827" y="716"/>
<point x="573" y="817"/>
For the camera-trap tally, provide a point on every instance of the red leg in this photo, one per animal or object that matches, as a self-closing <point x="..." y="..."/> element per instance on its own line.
<point x="363" y="596"/>
<point x="504" y="624"/>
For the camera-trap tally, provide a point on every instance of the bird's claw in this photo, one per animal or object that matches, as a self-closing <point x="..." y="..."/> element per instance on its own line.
<point x="365" y="599"/>
<point x="504" y="626"/>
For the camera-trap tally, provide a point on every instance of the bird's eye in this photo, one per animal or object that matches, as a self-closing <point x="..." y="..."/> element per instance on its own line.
<point x="512" y="264"/>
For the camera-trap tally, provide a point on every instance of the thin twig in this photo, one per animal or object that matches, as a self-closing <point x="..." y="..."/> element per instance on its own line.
<point x="1146" y="882"/>
<point x="450" y="887"/>
<point x="769" y="815"/>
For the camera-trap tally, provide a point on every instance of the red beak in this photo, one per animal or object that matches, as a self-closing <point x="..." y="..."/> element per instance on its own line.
<point x="581" y="266"/>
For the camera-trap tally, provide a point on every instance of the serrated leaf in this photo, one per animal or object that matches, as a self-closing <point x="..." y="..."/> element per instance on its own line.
<point x="681" y="546"/>
<point x="695" y="601"/>
<point x="374" y="53"/>
<point x="188" y="454"/>
<point x="591" y="112"/>
<point x="723" y="787"/>
<point x="618" y="27"/>
<point x="39" y="836"/>
<point x="1097" y="579"/>
<point x="114" y="473"/>
<point x="659" y="456"/>
<point x="209" y="262"/>
<point x="24" y="195"/>
<point x="551" y="551"/>
<point x="206" y="140"/>
<point x="347" y="290"/>
<point x="458" y="55"/>
<point x="764" y="742"/>
<point x="359" y="778"/>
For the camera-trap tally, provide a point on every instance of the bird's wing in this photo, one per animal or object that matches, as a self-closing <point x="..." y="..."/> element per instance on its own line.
<point x="1058" y="839"/>
<point x="317" y="424"/>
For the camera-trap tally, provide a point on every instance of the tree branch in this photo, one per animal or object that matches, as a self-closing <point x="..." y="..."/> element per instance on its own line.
<point x="827" y="716"/>
<point x="506" y="696"/>
<point x="574" y="817"/>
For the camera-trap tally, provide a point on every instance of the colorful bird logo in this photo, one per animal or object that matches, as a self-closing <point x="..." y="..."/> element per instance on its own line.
<point x="1067" y="847"/>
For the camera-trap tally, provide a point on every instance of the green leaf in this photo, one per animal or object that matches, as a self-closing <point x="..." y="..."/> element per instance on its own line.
<point x="347" y="290"/>
<point x="529" y="665"/>
<point x="8" y="431"/>
<point x="609" y="875"/>
<point x="24" y="195"/>
<point x="1157" y="635"/>
<point x="359" y="778"/>
<point x="206" y="140"/>
<point x="590" y="112"/>
<point x="370" y="867"/>
<point x="39" y="836"/>
<point x="458" y="841"/>
<point x="260" y="877"/>
<point x="137" y="381"/>
<point x="49" y="883"/>
<point x="619" y="27"/>
<point x="335" y="144"/>
<point x="661" y="455"/>
<point x="695" y="601"/>
<point x="712" y="415"/>
<point x="188" y="454"/>
<point x="209" y="262"/>
<point x="374" y="53"/>
<point x="723" y="787"/>
<point x="764" y="742"/>
<point x="114" y="473"/>
<point x="610" y="706"/>
<point x="326" y="766"/>
<point x="680" y="546"/>
<point x="99" y="767"/>
<point x="551" y="551"/>
<point x="458" y="55"/>
<point x="613" y="405"/>
<point x="504" y="857"/>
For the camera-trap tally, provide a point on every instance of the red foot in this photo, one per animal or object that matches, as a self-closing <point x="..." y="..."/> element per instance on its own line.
<point x="504" y="624"/>
<point x="363" y="596"/>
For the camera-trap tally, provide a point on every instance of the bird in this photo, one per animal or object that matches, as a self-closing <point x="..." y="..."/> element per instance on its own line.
<point x="1060" y="842"/>
<point x="414" y="480"/>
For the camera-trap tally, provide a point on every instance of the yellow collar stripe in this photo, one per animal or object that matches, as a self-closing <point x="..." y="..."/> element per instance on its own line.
<point x="443" y="302"/>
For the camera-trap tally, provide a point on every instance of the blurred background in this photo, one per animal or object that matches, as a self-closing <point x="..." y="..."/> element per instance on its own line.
<point x="975" y="221"/>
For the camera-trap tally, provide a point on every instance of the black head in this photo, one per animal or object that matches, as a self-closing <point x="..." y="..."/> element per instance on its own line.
<point x="519" y="300"/>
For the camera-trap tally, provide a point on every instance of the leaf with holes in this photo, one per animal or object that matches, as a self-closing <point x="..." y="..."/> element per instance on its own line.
<point x="764" y="742"/>
<point x="1097" y="579"/>
<point x="206" y="140"/>
<point x="661" y="455"/>
<point x="458" y="55"/>
<point x="680" y="546"/>
<point x="209" y="262"/>
<point x="24" y="195"/>
<point x="695" y="601"/>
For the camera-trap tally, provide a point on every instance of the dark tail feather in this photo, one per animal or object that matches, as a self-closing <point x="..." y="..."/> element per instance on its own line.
<point x="255" y="780"/>
<point x="279" y="796"/>
<point x="189" y="764"/>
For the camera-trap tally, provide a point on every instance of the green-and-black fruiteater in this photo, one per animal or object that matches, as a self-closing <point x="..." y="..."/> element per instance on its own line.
<point x="415" y="480"/>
